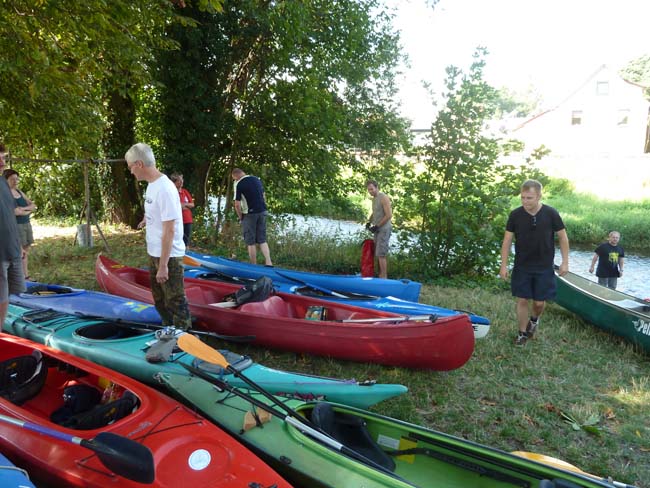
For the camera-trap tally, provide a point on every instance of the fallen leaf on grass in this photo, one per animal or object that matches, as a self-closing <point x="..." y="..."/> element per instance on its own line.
<point x="551" y="408"/>
<point x="491" y="403"/>
<point x="588" y="426"/>
<point x="530" y="420"/>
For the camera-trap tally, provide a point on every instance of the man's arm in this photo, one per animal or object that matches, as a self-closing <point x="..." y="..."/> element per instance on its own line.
<point x="238" y="209"/>
<point x="505" y="252"/>
<point x="621" y="263"/>
<point x="593" y="262"/>
<point x="564" y="250"/>
<point x="166" y="250"/>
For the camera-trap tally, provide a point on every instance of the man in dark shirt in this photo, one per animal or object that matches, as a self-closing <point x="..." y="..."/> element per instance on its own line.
<point x="611" y="259"/>
<point x="250" y="205"/>
<point x="12" y="279"/>
<point x="533" y="227"/>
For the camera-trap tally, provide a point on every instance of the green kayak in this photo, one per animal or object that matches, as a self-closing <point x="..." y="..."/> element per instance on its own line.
<point x="340" y="446"/>
<point x="123" y="348"/>
<point x="613" y="311"/>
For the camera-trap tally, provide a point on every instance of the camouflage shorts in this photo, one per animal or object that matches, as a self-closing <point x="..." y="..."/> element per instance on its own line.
<point x="169" y="297"/>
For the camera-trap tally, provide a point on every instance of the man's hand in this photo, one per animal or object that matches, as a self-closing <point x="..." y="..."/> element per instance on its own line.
<point x="503" y="272"/>
<point x="163" y="273"/>
<point x="564" y="269"/>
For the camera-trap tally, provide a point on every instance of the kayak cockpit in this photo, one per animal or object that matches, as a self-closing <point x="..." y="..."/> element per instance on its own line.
<point x="108" y="331"/>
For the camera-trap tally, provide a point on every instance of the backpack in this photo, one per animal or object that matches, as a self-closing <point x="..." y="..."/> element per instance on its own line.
<point x="254" y="292"/>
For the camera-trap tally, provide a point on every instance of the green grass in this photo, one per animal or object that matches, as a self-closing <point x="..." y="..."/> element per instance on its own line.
<point x="589" y="219"/>
<point x="506" y="397"/>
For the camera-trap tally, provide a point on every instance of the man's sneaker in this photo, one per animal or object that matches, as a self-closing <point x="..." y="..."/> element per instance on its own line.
<point x="531" y="328"/>
<point x="521" y="339"/>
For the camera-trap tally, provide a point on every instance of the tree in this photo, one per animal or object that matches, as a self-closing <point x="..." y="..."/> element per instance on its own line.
<point x="454" y="197"/>
<point x="516" y="104"/>
<point x="59" y="60"/>
<point x="638" y="71"/>
<point x="291" y="91"/>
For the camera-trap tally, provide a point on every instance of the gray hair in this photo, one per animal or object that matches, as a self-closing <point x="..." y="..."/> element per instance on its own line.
<point x="140" y="152"/>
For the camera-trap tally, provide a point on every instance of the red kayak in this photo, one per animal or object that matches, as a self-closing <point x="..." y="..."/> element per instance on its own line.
<point x="70" y="422"/>
<point x="310" y="325"/>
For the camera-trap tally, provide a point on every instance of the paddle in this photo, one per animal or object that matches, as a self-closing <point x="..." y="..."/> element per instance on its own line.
<point x="192" y="345"/>
<point x="214" y="275"/>
<point x="558" y="463"/>
<point x="310" y="285"/>
<point x="401" y="318"/>
<point x="123" y="456"/>
<point x="148" y="326"/>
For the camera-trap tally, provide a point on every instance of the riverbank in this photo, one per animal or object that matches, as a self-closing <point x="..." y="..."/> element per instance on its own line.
<point x="506" y="397"/>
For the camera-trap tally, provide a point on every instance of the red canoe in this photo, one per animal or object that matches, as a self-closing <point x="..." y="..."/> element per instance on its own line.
<point x="61" y="448"/>
<point x="279" y="321"/>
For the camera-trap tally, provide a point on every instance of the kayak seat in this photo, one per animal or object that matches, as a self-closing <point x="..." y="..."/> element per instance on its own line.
<point x="95" y="415"/>
<point x="273" y="305"/>
<point x="351" y="431"/>
<point x="22" y="377"/>
<point x="194" y="294"/>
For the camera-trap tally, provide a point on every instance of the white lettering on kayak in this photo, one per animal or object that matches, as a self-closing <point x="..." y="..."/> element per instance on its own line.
<point x="642" y="326"/>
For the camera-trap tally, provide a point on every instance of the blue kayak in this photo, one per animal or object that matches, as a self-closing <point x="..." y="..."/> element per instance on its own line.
<point x="13" y="477"/>
<point x="84" y="303"/>
<point x="480" y="324"/>
<point x="404" y="289"/>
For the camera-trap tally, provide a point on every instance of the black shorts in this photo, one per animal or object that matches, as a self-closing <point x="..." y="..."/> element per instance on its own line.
<point x="536" y="285"/>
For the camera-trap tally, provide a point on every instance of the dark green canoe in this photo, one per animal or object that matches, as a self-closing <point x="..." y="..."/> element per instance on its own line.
<point x="619" y="313"/>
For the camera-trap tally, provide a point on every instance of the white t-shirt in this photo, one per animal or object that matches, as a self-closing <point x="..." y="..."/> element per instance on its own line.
<point x="161" y="204"/>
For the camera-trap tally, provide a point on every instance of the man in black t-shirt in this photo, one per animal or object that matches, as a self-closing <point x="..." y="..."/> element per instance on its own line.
<point x="250" y="205"/>
<point x="533" y="227"/>
<point x="611" y="259"/>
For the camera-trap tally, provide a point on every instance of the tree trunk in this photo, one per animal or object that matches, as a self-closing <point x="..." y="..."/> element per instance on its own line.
<point x="120" y="193"/>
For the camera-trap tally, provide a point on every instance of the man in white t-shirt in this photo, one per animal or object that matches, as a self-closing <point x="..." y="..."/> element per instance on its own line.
<point x="163" y="219"/>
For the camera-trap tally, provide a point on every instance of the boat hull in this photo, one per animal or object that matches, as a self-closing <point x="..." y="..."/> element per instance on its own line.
<point x="430" y="458"/>
<point x="404" y="289"/>
<point x="377" y="337"/>
<point x="86" y="303"/>
<point x="616" y="312"/>
<point x="124" y="349"/>
<point x="481" y="325"/>
<point x="184" y="445"/>
<point x="12" y="476"/>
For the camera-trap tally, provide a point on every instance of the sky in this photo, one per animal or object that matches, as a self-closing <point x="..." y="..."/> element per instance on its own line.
<point x="553" y="45"/>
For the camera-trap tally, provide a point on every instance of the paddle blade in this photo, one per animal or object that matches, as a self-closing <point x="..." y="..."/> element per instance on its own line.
<point x="194" y="346"/>
<point x="188" y="261"/>
<point x="123" y="456"/>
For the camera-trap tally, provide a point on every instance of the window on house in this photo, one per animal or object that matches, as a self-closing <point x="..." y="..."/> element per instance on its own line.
<point x="623" y="117"/>
<point x="602" y="88"/>
<point x="576" y="117"/>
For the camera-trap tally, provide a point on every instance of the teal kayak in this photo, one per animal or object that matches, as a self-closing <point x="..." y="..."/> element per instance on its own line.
<point x="322" y="444"/>
<point x="123" y="348"/>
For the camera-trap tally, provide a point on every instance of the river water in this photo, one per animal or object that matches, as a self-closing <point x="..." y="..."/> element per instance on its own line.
<point x="633" y="282"/>
<point x="635" y="278"/>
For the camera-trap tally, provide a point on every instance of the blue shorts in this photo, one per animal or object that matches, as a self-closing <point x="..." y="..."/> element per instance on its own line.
<point x="536" y="285"/>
